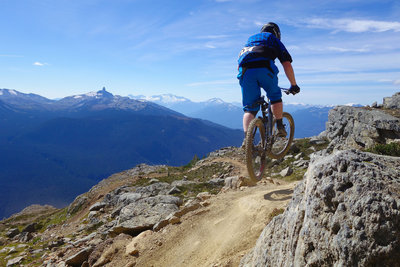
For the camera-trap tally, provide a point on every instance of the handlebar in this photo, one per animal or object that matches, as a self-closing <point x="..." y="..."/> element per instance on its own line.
<point x="289" y="91"/>
<point x="286" y="91"/>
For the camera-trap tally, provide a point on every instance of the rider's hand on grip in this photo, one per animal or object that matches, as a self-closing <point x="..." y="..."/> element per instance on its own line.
<point x="294" y="89"/>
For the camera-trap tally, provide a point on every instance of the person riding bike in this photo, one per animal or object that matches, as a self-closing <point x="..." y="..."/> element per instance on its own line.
<point x="257" y="69"/>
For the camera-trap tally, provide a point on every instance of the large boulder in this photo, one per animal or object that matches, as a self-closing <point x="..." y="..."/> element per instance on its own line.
<point x="352" y="127"/>
<point x="392" y="102"/>
<point x="344" y="213"/>
<point x="144" y="213"/>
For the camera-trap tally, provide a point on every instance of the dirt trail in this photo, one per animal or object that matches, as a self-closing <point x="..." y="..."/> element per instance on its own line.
<point x="219" y="234"/>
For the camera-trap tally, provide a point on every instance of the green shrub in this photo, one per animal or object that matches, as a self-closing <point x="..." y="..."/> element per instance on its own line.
<point x="275" y="213"/>
<point x="392" y="149"/>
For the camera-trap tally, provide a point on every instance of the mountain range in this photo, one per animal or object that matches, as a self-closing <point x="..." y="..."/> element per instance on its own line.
<point x="310" y="120"/>
<point x="53" y="150"/>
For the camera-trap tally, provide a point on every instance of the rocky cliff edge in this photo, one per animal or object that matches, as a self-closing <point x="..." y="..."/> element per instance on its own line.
<point x="345" y="212"/>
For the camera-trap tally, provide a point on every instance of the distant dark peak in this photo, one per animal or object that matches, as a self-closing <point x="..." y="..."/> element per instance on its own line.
<point x="104" y="93"/>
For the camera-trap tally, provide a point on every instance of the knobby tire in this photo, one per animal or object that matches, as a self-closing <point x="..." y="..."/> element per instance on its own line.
<point x="280" y="145"/>
<point x="255" y="150"/>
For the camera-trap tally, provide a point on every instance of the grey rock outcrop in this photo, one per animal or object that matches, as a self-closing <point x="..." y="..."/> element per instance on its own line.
<point x="79" y="258"/>
<point x="145" y="213"/>
<point x="351" y="127"/>
<point x="392" y="102"/>
<point x="344" y="213"/>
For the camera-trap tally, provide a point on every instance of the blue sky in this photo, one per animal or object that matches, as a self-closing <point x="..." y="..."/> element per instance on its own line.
<point x="343" y="51"/>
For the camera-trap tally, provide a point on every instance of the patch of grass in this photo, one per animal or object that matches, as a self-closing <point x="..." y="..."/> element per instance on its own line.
<point x="392" y="149"/>
<point x="93" y="227"/>
<point x="304" y="145"/>
<point x="57" y="218"/>
<point x="201" y="174"/>
<point x="297" y="175"/>
<point x="275" y="213"/>
<point x="192" y="190"/>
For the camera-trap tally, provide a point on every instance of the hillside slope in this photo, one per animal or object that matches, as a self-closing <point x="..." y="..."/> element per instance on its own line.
<point x="55" y="150"/>
<point x="216" y="218"/>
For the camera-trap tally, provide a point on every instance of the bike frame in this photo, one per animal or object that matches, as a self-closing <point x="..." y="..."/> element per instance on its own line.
<point x="267" y="117"/>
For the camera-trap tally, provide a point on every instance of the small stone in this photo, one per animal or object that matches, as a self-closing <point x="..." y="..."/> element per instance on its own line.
<point x="203" y="196"/>
<point x="79" y="258"/>
<point x="288" y="157"/>
<point x="92" y="214"/>
<point x="25" y="237"/>
<point x="286" y="172"/>
<point x="298" y="156"/>
<point x="97" y="206"/>
<point x="12" y="232"/>
<point x="15" y="262"/>
<point x="174" y="190"/>
<point x="154" y="180"/>
<point x="205" y="203"/>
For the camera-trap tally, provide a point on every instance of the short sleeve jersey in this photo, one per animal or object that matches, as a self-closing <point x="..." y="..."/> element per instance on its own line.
<point x="263" y="46"/>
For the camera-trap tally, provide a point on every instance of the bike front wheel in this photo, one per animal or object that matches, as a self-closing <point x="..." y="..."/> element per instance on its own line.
<point x="255" y="149"/>
<point x="279" y="146"/>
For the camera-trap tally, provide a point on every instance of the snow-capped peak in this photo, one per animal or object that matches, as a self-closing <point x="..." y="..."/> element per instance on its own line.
<point x="216" y="101"/>
<point x="353" y="105"/>
<point x="98" y="94"/>
<point x="13" y="92"/>
<point x="164" y="98"/>
<point x="91" y="94"/>
<point x="8" y="91"/>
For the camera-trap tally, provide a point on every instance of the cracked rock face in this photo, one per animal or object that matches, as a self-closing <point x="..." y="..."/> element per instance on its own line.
<point x="392" y="102"/>
<point x="351" y="127"/>
<point x="344" y="213"/>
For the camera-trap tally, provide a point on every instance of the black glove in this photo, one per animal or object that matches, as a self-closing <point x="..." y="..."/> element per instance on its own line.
<point x="294" y="89"/>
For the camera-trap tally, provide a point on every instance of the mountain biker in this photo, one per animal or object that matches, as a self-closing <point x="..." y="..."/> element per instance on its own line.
<point x="257" y="69"/>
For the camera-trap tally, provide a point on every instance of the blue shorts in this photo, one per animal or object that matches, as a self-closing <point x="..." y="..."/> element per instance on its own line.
<point x="252" y="81"/>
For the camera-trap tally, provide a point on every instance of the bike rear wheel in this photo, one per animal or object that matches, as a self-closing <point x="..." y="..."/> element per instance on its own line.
<point x="255" y="149"/>
<point x="279" y="146"/>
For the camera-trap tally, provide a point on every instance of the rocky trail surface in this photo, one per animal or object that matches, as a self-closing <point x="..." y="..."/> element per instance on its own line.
<point x="219" y="234"/>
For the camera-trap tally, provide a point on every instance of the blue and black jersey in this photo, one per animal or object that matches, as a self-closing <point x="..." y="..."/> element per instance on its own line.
<point x="263" y="47"/>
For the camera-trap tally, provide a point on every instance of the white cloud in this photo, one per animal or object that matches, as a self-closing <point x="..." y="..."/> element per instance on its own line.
<point x="327" y="48"/>
<point x="210" y="46"/>
<point x="219" y="82"/>
<point x="341" y="49"/>
<point x="37" y="63"/>
<point x="353" y="25"/>
<point x="396" y="82"/>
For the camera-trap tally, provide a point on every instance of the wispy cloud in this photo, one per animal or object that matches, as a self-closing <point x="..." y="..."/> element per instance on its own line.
<point x="353" y="25"/>
<point x="338" y="49"/>
<point x="218" y="82"/>
<point x="40" y="64"/>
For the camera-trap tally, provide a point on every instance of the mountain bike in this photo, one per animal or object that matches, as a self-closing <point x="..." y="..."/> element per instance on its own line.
<point x="262" y="139"/>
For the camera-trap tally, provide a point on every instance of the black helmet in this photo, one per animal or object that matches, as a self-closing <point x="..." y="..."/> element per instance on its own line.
<point x="272" y="28"/>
